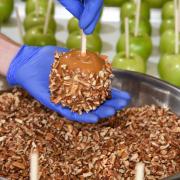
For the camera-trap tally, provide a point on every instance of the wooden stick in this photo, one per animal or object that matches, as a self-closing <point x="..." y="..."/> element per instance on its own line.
<point x="176" y="17"/>
<point x="48" y="14"/>
<point x="37" y="8"/>
<point x="137" y="17"/>
<point x="127" y="36"/>
<point x="83" y="43"/>
<point x="34" y="165"/>
<point x="19" y="23"/>
<point x="139" y="171"/>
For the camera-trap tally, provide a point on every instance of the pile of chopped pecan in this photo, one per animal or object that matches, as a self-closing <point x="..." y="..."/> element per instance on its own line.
<point x="70" y="150"/>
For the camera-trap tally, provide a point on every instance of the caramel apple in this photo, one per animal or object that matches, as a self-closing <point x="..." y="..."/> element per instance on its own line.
<point x="80" y="82"/>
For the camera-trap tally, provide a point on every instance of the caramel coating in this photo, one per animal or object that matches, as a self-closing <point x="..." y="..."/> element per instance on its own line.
<point x="80" y="82"/>
<point x="91" y="62"/>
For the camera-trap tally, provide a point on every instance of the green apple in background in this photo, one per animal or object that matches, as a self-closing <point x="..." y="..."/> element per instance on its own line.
<point x="133" y="63"/>
<point x="168" y="10"/>
<point x="94" y="42"/>
<point x="141" y="45"/>
<point x="167" y="24"/>
<point x="144" y="26"/>
<point x="156" y="3"/>
<point x="128" y="9"/>
<point x="169" y="68"/>
<point x="35" y="37"/>
<point x="117" y="3"/>
<point x="32" y="20"/>
<point x="6" y="8"/>
<point x="167" y="42"/>
<point x="73" y="25"/>
<point x="43" y="4"/>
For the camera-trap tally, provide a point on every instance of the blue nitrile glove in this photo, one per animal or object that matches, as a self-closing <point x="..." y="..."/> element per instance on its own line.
<point x="87" y="11"/>
<point x="30" y="69"/>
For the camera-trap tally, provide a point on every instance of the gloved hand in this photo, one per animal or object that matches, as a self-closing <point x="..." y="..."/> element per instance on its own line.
<point x="30" y="69"/>
<point x="87" y="11"/>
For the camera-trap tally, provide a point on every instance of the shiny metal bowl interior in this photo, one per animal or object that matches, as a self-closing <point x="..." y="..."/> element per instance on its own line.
<point x="147" y="90"/>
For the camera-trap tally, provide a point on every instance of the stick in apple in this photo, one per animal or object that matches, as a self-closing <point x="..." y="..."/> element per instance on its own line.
<point x="127" y="36"/>
<point x="139" y="171"/>
<point x="19" y="23"/>
<point x="37" y="8"/>
<point x="83" y="43"/>
<point x="34" y="165"/>
<point x="137" y="17"/>
<point x="48" y="14"/>
<point x="176" y="15"/>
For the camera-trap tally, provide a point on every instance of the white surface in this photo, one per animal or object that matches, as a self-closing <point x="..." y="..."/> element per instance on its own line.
<point x="110" y="31"/>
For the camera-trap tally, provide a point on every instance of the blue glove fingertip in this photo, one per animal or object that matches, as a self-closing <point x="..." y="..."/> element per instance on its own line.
<point x="75" y="7"/>
<point x="91" y="10"/>
<point x="92" y="26"/>
<point x="83" y="118"/>
<point x="104" y="111"/>
<point x="117" y="104"/>
<point x="120" y="94"/>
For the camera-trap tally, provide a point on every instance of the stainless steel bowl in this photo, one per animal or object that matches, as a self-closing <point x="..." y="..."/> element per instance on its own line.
<point x="147" y="90"/>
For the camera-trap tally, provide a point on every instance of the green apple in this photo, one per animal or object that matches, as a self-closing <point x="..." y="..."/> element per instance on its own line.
<point x="73" y="25"/>
<point x="6" y="8"/>
<point x="117" y="3"/>
<point x="128" y="9"/>
<point x="155" y="3"/>
<point x="141" y="45"/>
<point x="167" y="42"/>
<point x="94" y="42"/>
<point x="35" y="37"/>
<point x="167" y="24"/>
<point x="43" y="4"/>
<point x="169" y="68"/>
<point x="133" y="63"/>
<point x="32" y="20"/>
<point x="144" y="26"/>
<point x="168" y="10"/>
